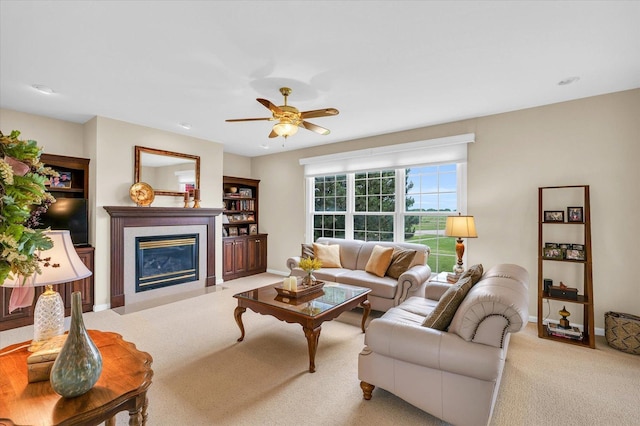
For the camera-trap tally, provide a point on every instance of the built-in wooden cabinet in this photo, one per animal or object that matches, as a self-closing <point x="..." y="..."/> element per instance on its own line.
<point x="78" y="171"/>
<point x="244" y="248"/>
<point x="564" y="256"/>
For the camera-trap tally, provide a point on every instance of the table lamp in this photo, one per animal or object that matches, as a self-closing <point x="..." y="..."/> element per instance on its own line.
<point x="460" y="227"/>
<point x="60" y="264"/>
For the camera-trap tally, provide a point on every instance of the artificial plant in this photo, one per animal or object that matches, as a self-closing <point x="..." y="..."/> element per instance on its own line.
<point x="23" y="198"/>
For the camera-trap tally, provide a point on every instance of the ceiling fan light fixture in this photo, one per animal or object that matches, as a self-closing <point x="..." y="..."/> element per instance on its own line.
<point x="285" y="129"/>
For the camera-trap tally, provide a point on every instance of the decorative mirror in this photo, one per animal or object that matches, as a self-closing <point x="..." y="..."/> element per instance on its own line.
<point x="168" y="173"/>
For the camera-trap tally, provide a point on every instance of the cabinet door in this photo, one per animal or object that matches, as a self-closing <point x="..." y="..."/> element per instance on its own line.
<point x="240" y="255"/>
<point x="228" y="255"/>
<point x="257" y="253"/>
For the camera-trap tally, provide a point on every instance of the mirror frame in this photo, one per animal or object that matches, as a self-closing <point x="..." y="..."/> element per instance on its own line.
<point x="138" y="167"/>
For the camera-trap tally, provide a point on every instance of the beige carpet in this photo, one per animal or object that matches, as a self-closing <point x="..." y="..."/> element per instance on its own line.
<point x="202" y="376"/>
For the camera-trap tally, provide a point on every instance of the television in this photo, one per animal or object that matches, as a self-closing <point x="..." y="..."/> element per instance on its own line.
<point x="70" y="214"/>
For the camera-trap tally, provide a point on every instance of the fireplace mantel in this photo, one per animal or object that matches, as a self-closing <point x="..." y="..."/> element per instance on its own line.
<point x="126" y="217"/>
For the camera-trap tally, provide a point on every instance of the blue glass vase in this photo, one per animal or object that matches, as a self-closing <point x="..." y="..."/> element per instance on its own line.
<point x="79" y="363"/>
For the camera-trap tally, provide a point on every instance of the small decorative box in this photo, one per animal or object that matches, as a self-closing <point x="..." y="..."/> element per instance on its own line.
<point x="302" y="290"/>
<point x="563" y="292"/>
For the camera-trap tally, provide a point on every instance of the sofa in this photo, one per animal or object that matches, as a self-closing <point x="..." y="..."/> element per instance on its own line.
<point x="453" y="372"/>
<point x="386" y="291"/>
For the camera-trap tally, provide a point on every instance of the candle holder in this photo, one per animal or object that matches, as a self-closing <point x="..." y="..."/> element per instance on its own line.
<point x="196" y="198"/>
<point x="186" y="199"/>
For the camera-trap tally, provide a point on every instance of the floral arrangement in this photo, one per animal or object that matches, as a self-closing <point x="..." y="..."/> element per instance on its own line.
<point x="23" y="198"/>
<point x="309" y="265"/>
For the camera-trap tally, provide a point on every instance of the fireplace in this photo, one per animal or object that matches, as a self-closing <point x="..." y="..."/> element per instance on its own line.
<point x="131" y="222"/>
<point x="166" y="260"/>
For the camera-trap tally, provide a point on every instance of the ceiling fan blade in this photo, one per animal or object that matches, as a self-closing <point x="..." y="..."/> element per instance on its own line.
<point x="249" y="119"/>
<point x="314" y="128"/>
<point x="325" y="112"/>
<point x="273" y="108"/>
<point x="273" y="134"/>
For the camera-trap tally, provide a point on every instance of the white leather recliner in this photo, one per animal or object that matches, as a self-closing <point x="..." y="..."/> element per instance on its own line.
<point x="453" y="374"/>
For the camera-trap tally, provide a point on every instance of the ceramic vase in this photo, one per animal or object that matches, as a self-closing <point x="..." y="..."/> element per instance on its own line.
<point x="79" y="363"/>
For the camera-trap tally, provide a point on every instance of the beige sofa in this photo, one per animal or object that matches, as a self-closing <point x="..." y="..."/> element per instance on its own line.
<point x="386" y="292"/>
<point x="452" y="374"/>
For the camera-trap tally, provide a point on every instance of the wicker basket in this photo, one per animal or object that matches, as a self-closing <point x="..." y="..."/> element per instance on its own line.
<point x="622" y="332"/>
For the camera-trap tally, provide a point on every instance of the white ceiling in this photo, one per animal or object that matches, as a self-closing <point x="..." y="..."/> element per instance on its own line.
<point x="386" y="65"/>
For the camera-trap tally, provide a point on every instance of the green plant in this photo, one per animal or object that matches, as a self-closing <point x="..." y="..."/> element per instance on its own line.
<point x="23" y="197"/>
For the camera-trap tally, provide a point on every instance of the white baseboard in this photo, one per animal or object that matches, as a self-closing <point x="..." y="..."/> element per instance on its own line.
<point x="98" y="308"/>
<point x="273" y="271"/>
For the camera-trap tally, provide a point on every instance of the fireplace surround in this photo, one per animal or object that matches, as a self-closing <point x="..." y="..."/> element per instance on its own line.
<point x="123" y="217"/>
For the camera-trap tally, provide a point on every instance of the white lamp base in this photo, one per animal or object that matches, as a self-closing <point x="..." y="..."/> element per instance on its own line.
<point x="48" y="317"/>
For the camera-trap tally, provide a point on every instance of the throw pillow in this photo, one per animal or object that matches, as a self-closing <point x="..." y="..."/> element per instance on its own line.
<point x="379" y="260"/>
<point x="400" y="261"/>
<point x="307" y="251"/>
<point x="475" y="272"/>
<point x="443" y="313"/>
<point x="329" y="255"/>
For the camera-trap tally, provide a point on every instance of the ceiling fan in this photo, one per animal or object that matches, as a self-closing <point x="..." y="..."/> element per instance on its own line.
<point x="289" y="118"/>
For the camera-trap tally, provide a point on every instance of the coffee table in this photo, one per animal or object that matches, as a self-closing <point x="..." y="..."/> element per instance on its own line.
<point x="309" y="311"/>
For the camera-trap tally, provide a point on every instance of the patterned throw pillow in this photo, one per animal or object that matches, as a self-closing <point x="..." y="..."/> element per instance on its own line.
<point x="475" y="272"/>
<point x="307" y="251"/>
<point x="379" y="260"/>
<point x="329" y="255"/>
<point x="400" y="261"/>
<point x="443" y="313"/>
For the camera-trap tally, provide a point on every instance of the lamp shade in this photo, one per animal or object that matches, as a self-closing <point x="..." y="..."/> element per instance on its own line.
<point x="285" y="128"/>
<point x="460" y="227"/>
<point x="63" y="265"/>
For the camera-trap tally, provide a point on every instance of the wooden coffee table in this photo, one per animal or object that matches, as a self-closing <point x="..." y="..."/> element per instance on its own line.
<point x="309" y="311"/>
<point x="123" y="383"/>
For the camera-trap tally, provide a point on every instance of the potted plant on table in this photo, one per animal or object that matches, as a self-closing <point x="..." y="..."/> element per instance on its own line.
<point x="308" y="265"/>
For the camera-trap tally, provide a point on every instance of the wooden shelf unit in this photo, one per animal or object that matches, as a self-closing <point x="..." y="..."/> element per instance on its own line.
<point x="585" y="299"/>
<point x="79" y="170"/>
<point x="244" y="248"/>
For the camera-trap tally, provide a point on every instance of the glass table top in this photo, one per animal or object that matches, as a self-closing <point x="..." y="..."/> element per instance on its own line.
<point x="331" y="295"/>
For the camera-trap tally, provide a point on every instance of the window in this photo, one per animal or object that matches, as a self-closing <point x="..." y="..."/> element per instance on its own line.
<point x="407" y="204"/>
<point x="401" y="192"/>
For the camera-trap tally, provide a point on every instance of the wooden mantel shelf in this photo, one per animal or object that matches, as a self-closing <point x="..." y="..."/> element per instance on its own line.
<point x="128" y="216"/>
<point x="129" y="211"/>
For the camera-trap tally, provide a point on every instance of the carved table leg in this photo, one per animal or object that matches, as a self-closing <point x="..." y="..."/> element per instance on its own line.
<point x="110" y="422"/>
<point x="367" y="308"/>
<point x="238" y="315"/>
<point x="367" y="389"/>
<point x="312" y="341"/>
<point x="135" y="417"/>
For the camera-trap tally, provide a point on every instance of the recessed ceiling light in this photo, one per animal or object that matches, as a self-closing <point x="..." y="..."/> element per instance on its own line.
<point x="185" y="126"/>
<point x="43" y="89"/>
<point x="568" y="80"/>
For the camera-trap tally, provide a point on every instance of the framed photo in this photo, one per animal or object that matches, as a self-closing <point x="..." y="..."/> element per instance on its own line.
<point x="564" y="246"/>
<point x="245" y="192"/>
<point x="572" y="254"/>
<point x="224" y="232"/>
<point x="577" y="246"/>
<point x="61" y="181"/>
<point x="243" y="230"/>
<point x="552" y="253"/>
<point x="233" y="231"/>
<point x="551" y="245"/>
<point x="253" y="229"/>
<point x="554" y="216"/>
<point x="574" y="214"/>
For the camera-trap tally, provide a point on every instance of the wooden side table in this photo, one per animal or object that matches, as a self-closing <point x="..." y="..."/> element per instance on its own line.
<point x="126" y="376"/>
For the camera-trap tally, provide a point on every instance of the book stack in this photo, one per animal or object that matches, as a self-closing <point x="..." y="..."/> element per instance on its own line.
<point x="40" y="362"/>
<point x="573" y="333"/>
<point x="452" y="278"/>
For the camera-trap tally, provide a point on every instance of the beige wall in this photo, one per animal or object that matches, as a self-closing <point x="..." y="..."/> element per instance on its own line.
<point x="236" y="166"/>
<point x="593" y="141"/>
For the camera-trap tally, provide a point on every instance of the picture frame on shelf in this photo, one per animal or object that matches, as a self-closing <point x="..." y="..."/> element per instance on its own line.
<point x="554" y="216"/>
<point x="577" y="246"/>
<point x="245" y="192"/>
<point x="253" y="229"/>
<point x="551" y="245"/>
<point x="244" y="230"/>
<point x="233" y="231"/>
<point x="552" y="253"/>
<point x="573" y="254"/>
<point x="575" y="214"/>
